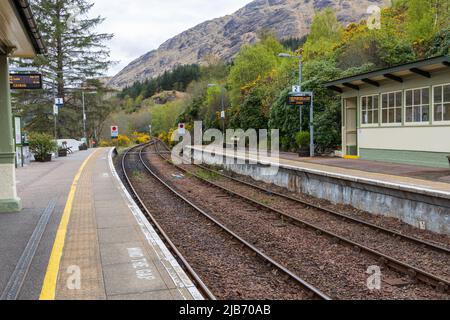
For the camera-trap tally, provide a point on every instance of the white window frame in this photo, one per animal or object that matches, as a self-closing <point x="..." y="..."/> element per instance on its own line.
<point x="370" y="125"/>
<point x="403" y="112"/>
<point x="440" y="122"/>
<point x="405" y="107"/>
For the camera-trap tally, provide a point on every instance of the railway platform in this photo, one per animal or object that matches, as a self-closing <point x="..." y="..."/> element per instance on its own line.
<point x="82" y="237"/>
<point x="418" y="196"/>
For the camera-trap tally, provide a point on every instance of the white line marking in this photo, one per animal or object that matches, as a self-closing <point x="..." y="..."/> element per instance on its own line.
<point x="179" y="277"/>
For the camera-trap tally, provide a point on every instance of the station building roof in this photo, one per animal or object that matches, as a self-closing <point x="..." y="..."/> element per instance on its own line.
<point x="423" y="68"/>
<point x="18" y="30"/>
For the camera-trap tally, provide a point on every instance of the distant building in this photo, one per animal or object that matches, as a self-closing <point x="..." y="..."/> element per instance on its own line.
<point x="399" y="114"/>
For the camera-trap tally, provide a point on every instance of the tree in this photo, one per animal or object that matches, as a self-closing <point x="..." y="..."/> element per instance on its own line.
<point x="253" y="63"/>
<point x="326" y="33"/>
<point x="251" y="115"/>
<point x="440" y="45"/>
<point x="76" y="53"/>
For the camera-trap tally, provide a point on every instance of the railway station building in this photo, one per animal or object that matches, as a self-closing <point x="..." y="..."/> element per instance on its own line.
<point x="399" y="114"/>
<point x="19" y="37"/>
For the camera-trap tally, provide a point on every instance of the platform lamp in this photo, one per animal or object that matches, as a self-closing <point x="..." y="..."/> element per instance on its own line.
<point x="83" y="93"/>
<point x="222" y="114"/>
<point x="300" y="80"/>
<point x="299" y="57"/>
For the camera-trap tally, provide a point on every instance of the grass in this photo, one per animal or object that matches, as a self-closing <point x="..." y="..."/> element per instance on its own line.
<point x="137" y="175"/>
<point x="207" y="175"/>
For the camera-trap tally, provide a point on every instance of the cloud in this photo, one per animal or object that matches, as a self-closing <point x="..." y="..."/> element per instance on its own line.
<point x="143" y="25"/>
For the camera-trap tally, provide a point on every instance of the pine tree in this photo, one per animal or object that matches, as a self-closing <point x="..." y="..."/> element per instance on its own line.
<point x="76" y="53"/>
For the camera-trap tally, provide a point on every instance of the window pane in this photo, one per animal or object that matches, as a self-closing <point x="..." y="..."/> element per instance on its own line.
<point x="447" y="112"/>
<point x="376" y="103"/>
<point x="425" y="96"/>
<point x="417" y="94"/>
<point x="369" y="102"/>
<point x="438" y="112"/>
<point x="384" y="101"/>
<point x="437" y="94"/>
<point x="376" y="115"/>
<point x="447" y="93"/>
<point x="425" y="114"/>
<point x="391" y="100"/>
<point x="398" y="116"/>
<point x="409" y="114"/>
<point x="417" y="114"/>
<point x="385" y="114"/>
<point x="409" y="98"/>
<point x="398" y="102"/>
<point x="391" y="115"/>
<point x="369" y="117"/>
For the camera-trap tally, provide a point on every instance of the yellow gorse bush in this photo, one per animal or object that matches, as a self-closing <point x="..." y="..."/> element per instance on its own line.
<point x="140" y="138"/>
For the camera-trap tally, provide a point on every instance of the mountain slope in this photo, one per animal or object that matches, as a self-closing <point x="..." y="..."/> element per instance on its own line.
<point x="223" y="37"/>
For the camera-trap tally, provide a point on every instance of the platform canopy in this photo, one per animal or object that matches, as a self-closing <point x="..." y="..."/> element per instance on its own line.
<point x="423" y="68"/>
<point x="19" y="35"/>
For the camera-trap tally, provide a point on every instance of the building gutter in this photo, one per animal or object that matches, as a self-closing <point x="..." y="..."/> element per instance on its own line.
<point x="26" y="15"/>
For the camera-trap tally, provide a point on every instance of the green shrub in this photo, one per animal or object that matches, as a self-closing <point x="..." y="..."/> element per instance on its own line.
<point x="303" y="139"/>
<point x="42" y="144"/>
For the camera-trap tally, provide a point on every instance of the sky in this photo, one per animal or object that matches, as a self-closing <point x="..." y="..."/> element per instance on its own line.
<point x="140" y="26"/>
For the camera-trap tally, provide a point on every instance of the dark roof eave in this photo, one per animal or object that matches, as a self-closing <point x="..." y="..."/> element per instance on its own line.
<point x="27" y="17"/>
<point x="408" y="66"/>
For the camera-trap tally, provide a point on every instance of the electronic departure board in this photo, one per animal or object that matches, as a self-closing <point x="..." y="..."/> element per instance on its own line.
<point x="299" y="100"/>
<point x="25" y="81"/>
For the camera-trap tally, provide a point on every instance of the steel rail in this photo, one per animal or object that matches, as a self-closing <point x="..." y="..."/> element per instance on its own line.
<point x="331" y="211"/>
<point x="405" y="268"/>
<point x="315" y="291"/>
<point x="185" y="264"/>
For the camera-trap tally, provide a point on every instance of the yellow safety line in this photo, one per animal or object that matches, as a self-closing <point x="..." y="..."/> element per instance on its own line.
<point x="351" y="157"/>
<point x="48" y="291"/>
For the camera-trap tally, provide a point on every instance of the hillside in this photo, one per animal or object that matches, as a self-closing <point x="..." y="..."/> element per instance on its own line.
<point x="223" y="37"/>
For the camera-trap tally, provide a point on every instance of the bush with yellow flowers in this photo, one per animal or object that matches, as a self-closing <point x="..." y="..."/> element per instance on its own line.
<point x="104" y="144"/>
<point x="140" y="138"/>
<point x="122" y="141"/>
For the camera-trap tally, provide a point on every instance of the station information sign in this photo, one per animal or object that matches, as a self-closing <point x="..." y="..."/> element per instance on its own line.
<point x="299" y="100"/>
<point x="25" y="81"/>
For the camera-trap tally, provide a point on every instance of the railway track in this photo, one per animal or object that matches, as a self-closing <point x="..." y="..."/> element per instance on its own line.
<point x="312" y="292"/>
<point x="184" y="263"/>
<point x="414" y="272"/>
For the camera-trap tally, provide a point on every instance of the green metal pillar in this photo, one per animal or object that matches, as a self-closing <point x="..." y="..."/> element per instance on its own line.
<point x="9" y="202"/>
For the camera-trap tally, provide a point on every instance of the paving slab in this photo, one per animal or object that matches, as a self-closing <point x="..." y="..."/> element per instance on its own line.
<point x="111" y="247"/>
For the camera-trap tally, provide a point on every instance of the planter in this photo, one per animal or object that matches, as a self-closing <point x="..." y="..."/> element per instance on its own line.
<point x="46" y="158"/>
<point x="62" y="153"/>
<point x="304" y="152"/>
<point x="339" y="154"/>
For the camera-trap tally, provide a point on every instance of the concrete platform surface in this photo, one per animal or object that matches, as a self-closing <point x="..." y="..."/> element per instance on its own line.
<point x="43" y="188"/>
<point x="82" y="237"/>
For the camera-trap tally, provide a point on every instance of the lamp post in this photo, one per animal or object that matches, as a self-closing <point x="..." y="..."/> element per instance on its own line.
<point x="84" y="114"/>
<point x="299" y="57"/>
<point x="311" y="110"/>
<point x="222" y="114"/>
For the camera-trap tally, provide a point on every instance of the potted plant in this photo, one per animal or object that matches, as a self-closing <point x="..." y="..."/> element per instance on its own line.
<point x="62" y="152"/>
<point x="42" y="146"/>
<point x="303" y="140"/>
<point x="83" y="147"/>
